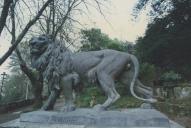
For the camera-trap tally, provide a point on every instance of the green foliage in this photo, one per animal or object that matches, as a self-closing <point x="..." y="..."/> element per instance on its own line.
<point x="14" y="64"/>
<point x="15" y="89"/>
<point x="175" y="107"/>
<point x="158" y="8"/>
<point x="166" y="43"/>
<point x="94" y="39"/>
<point x="147" y="73"/>
<point x="171" y="76"/>
<point x="83" y="100"/>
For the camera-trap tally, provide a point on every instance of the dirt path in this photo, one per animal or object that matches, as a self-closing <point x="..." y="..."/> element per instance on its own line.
<point x="13" y="114"/>
<point x="16" y="113"/>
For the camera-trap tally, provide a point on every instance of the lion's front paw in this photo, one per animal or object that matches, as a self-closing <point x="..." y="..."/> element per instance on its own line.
<point x="68" y="108"/>
<point x="99" y="107"/>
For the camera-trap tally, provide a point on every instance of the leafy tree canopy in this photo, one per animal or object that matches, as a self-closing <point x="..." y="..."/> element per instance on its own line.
<point x="94" y="39"/>
<point x="167" y="42"/>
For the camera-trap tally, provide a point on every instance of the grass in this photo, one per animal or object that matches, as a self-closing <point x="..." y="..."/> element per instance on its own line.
<point x="175" y="107"/>
<point x="126" y="101"/>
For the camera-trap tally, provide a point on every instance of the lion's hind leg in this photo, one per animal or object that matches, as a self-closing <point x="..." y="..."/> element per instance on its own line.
<point x="117" y="96"/>
<point x="108" y="86"/>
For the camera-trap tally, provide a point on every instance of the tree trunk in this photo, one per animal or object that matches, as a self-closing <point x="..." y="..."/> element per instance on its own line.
<point x="37" y="85"/>
<point x="37" y="91"/>
<point x="36" y="80"/>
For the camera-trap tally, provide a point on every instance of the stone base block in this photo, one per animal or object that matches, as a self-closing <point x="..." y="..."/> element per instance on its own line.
<point x="90" y="118"/>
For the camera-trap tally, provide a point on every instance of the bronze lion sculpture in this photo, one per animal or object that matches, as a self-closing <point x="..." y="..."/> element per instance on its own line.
<point x="64" y="69"/>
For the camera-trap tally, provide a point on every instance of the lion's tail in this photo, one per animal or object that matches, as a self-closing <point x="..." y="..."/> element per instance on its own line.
<point x="136" y="68"/>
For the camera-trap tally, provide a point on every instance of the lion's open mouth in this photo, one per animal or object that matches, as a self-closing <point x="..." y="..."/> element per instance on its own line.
<point x="38" y="51"/>
<point x="34" y="51"/>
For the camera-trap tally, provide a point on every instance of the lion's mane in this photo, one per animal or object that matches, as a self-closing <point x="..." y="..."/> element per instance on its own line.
<point x="54" y="63"/>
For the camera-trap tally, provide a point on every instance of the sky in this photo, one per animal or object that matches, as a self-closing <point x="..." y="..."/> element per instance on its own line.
<point x="117" y="23"/>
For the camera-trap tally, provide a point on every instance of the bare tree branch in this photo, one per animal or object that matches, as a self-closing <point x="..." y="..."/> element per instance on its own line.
<point x="48" y="23"/>
<point x="7" y="28"/>
<point x="4" y="14"/>
<point x="70" y="6"/>
<point x="76" y="21"/>
<point x="42" y="27"/>
<point x="53" y="8"/>
<point x="13" y="32"/>
<point x="27" y="6"/>
<point x="22" y="34"/>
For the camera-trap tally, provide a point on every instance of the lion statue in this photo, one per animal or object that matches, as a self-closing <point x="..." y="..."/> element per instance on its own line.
<point x="64" y="69"/>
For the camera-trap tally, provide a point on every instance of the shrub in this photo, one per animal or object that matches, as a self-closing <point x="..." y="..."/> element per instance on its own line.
<point x="171" y="76"/>
<point x="147" y="73"/>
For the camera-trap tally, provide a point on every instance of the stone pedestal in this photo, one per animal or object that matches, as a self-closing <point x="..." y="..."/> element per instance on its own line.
<point x="90" y="118"/>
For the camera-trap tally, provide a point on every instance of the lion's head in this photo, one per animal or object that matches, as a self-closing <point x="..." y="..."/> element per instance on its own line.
<point x="50" y="57"/>
<point x="38" y="50"/>
<point x="39" y="44"/>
